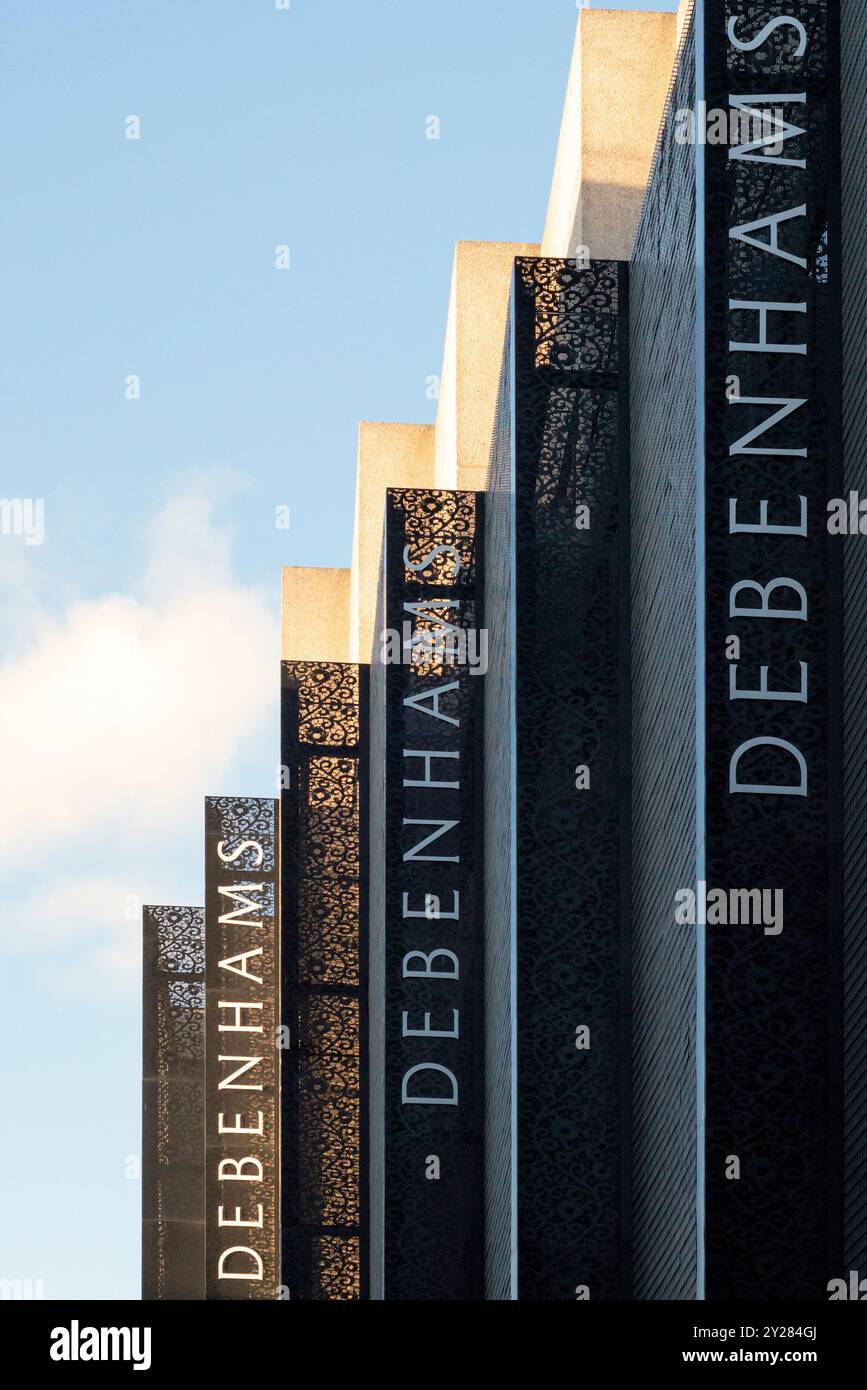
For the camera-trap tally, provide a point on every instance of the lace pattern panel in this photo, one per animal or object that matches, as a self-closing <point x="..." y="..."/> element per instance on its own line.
<point x="324" y="978"/>
<point x="173" y="1233"/>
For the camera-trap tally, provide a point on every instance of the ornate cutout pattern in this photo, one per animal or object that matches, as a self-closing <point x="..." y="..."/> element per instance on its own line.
<point x="323" y="977"/>
<point x="173" y="1233"/>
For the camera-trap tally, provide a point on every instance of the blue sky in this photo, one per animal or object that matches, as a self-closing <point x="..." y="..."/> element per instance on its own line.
<point x="259" y="127"/>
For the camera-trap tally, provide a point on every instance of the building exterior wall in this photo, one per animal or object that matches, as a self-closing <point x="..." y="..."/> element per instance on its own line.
<point x="701" y="1051"/>
<point x="478" y="306"/>
<point x="500" y="846"/>
<point x="621" y="67"/>
<point x="593" y="1169"/>
<point x="389" y="455"/>
<point x="315" y="614"/>
<point x="662" y="354"/>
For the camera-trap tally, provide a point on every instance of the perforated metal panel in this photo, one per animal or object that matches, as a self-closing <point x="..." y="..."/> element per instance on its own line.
<point x="430" y="1167"/>
<point x="854" y="249"/>
<point x="774" y="1000"/>
<point x="242" y="1067"/>
<point x="571" y="644"/>
<point x="173" y="1125"/>
<point x="323" y="839"/>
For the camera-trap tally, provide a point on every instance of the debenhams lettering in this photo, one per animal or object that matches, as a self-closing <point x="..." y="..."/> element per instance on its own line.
<point x="240" y="1063"/>
<point x="433" y="840"/>
<point x="770" y="232"/>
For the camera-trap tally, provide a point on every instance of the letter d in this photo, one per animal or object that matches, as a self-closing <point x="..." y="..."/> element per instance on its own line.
<point x="767" y="788"/>
<point x="407" y="1099"/>
<point x="240" y="1250"/>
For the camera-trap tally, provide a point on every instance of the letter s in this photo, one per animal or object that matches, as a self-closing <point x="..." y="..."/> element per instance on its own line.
<point x="749" y="45"/>
<point x="439" y="550"/>
<point x="236" y="853"/>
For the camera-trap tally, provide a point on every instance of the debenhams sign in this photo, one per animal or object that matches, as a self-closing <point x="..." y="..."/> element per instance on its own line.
<point x="241" y="1066"/>
<point x="433" y="897"/>
<point x="773" y="633"/>
<point x="771" y="336"/>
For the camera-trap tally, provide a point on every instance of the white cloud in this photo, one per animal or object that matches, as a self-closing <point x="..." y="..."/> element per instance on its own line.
<point x="122" y="714"/>
<point x="97" y="916"/>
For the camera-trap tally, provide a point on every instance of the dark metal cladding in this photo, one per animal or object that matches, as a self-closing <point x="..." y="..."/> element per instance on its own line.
<point x="323" y="821"/>
<point x="173" y="1130"/>
<point x="774" y="1000"/>
<point x="431" y="1007"/>
<point x="853" y="44"/>
<point x="571" y="674"/>
<point x="242" y="1069"/>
